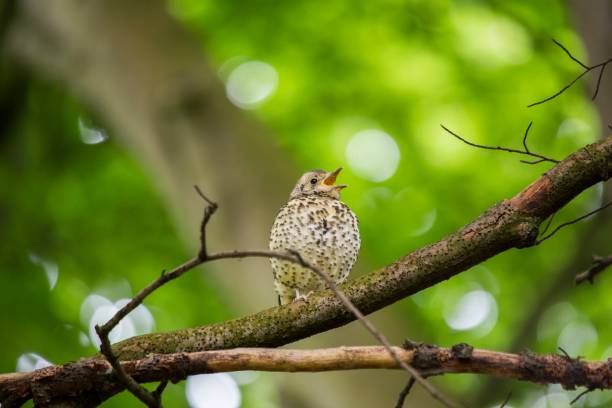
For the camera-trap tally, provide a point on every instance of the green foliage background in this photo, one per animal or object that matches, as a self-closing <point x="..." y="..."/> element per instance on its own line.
<point x="401" y="66"/>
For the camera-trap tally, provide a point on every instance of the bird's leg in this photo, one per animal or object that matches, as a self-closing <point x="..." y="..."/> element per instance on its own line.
<point x="302" y="296"/>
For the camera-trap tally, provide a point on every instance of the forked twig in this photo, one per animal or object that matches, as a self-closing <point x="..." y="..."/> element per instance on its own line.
<point x="540" y="158"/>
<point x="587" y="69"/>
<point x="565" y="224"/>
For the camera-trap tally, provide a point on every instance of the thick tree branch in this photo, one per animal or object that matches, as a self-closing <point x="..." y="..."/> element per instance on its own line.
<point x="82" y="376"/>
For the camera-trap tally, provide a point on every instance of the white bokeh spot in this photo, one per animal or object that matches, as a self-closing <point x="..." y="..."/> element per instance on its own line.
<point x="473" y="309"/>
<point x="217" y="390"/>
<point x="51" y="269"/>
<point x="373" y="155"/>
<point x="124" y="329"/>
<point x="556" y="397"/>
<point x="97" y="310"/>
<point x="251" y="83"/>
<point x="554" y="319"/>
<point x="30" y="362"/>
<point x="578" y="338"/>
<point x="90" y="135"/>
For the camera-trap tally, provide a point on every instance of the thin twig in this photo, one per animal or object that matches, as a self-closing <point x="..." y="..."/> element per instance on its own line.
<point x="581" y="395"/>
<point x="139" y="298"/>
<point x="601" y="71"/>
<point x="404" y="393"/>
<point x="587" y="69"/>
<point x="132" y="386"/>
<point x="506" y="400"/>
<point x="159" y="390"/>
<point x="565" y="353"/>
<point x="565" y="224"/>
<point x="569" y="54"/>
<point x="209" y="210"/>
<point x="600" y="264"/>
<point x="525" y="152"/>
<point x="548" y="223"/>
<point x="525" y="137"/>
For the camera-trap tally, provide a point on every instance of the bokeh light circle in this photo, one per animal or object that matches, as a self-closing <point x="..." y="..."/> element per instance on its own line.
<point x="251" y="83"/>
<point x="30" y="362"/>
<point x="217" y="390"/>
<point x="373" y="155"/>
<point x="473" y="309"/>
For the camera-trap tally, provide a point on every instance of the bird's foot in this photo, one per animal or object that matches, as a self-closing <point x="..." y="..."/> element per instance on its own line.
<point x="302" y="296"/>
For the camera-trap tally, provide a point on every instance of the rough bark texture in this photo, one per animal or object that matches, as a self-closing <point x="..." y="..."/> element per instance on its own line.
<point x="77" y="380"/>
<point x="510" y="224"/>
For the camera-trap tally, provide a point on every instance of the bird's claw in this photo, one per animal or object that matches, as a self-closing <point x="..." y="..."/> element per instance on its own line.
<point x="302" y="296"/>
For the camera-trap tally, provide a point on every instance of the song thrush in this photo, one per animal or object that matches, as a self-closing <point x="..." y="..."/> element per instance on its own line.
<point x="321" y="228"/>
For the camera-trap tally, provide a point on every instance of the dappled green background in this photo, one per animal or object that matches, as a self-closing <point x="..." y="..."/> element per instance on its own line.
<point x="93" y="213"/>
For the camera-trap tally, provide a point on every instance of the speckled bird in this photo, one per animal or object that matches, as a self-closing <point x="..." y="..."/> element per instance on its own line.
<point x="319" y="226"/>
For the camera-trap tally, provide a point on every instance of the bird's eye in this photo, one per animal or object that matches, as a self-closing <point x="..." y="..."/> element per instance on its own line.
<point x="313" y="181"/>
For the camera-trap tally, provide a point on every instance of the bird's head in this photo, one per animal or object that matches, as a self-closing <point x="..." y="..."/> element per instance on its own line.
<point x="318" y="182"/>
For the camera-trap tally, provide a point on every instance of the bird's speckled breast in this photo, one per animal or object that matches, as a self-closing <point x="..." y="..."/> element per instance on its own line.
<point x="324" y="231"/>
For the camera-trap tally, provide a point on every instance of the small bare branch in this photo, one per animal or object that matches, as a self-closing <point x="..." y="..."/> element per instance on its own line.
<point x="569" y="54"/>
<point x="601" y="72"/>
<point x="540" y="158"/>
<point x="525" y="136"/>
<point x="208" y="213"/>
<point x="506" y="400"/>
<point x="404" y="393"/>
<point x="574" y="221"/>
<point x="600" y="264"/>
<point x="587" y="69"/>
<point x="564" y="353"/>
<point x="583" y="393"/>
<point x="159" y="390"/>
<point x="130" y="384"/>
<point x="548" y="223"/>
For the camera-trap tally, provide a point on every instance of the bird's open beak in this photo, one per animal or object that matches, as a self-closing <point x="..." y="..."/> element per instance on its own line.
<point x="330" y="179"/>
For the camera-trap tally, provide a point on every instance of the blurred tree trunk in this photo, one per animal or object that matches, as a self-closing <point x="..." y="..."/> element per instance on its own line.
<point x="147" y="80"/>
<point x="593" y="20"/>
